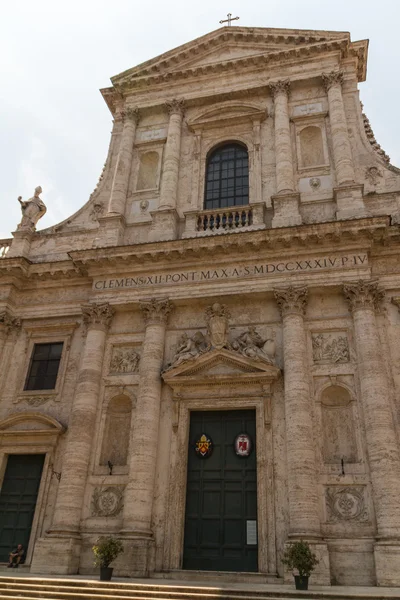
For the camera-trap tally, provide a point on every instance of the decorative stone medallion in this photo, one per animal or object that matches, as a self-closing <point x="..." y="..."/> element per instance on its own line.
<point x="107" y="502"/>
<point x="203" y="446"/>
<point x="315" y="183"/>
<point x="346" y="504"/>
<point x="243" y="445"/>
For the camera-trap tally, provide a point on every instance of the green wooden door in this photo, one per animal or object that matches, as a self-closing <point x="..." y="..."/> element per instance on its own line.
<point x="221" y="500"/>
<point x="18" y="497"/>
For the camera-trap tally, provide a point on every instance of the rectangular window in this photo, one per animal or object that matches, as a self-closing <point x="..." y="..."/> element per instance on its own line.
<point x="44" y="366"/>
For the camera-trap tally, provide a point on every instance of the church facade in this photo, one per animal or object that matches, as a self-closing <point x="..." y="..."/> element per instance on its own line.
<point x="203" y="361"/>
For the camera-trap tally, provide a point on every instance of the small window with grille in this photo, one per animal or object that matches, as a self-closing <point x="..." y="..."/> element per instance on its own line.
<point x="44" y="366"/>
<point x="227" y="177"/>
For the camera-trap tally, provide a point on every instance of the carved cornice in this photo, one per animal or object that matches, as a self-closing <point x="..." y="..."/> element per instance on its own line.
<point x="292" y="300"/>
<point x="98" y="314"/>
<point x="156" y="311"/>
<point x="131" y="114"/>
<point x="175" y="107"/>
<point x="364" y="295"/>
<point x="332" y="78"/>
<point x="9" y="323"/>
<point x="280" y="87"/>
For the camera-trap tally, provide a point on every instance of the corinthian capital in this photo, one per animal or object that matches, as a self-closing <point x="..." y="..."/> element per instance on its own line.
<point x="98" y="314"/>
<point x="9" y="323"/>
<point x="131" y="114"/>
<point x="175" y="107"/>
<point x="280" y="87"/>
<point x="156" y="311"/>
<point x="332" y="78"/>
<point x="364" y="294"/>
<point x="292" y="300"/>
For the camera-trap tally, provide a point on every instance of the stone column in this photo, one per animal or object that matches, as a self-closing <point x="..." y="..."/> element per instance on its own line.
<point x="123" y="167"/>
<point x="165" y="220"/>
<point x="139" y="493"/>
<point x="8" y="325"/>
<point x="364" y="298"/>
<point x="302" y="482"/>
<point x="340" y="136"/>
<point x="304" y="518"/>
<point x="169" y="183"/>
<point x="286" y="201"/>
<point x="59" y="553"/>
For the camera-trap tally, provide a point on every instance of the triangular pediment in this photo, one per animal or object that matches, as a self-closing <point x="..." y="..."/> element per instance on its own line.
<point x="219" y="367"/>
<point x="229" y="44"/>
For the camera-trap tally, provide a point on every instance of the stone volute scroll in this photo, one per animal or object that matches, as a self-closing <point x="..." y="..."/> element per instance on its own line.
<point x="97" y="315"/>
<point x="32" y="210"/>
<point x="156" y="311"/>
<point x="292" y="300"/>
<point x="364" y="294"/>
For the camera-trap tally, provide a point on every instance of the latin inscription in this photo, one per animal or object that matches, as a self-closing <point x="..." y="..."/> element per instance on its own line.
<point x="255" y="270"/>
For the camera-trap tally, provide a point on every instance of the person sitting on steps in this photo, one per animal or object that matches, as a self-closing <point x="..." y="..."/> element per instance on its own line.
<point x="16" y="557"/>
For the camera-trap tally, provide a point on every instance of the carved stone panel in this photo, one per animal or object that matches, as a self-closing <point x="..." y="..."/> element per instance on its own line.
<point x="107" y="502"/>
<point x="346" y="503"/>
<point x="124" y="360"/>
<point x="330" y="347"/>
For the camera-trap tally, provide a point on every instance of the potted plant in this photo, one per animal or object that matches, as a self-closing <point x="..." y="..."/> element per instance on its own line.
<point x="105" y="551"/>
<point x="299" y="557"/>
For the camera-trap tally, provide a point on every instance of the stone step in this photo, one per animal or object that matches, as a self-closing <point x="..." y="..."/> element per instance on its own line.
<point x="32" y="588"/>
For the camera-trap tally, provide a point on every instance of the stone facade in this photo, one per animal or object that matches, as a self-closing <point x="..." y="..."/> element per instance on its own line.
<point x="288" y="305"/>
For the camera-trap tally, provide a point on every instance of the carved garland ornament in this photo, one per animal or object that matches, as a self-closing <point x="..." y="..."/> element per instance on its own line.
<point x="346" y="504"/>
<point x="107" y="502"/>
<point x="364" y="294"/>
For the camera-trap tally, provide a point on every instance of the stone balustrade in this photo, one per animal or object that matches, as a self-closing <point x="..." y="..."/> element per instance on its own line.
<point x="208" y="222"/>
<point x="4" y="247"/>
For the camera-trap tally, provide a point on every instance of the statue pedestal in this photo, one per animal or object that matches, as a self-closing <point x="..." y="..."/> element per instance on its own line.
<point x="21" y="244"/>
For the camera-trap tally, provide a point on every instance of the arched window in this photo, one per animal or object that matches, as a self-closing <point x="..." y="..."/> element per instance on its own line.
<point x="227" y="177"/>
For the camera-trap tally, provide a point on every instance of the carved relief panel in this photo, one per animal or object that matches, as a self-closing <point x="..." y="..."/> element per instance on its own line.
<point x="124" y="359"/>
<point x="330" y="347"/>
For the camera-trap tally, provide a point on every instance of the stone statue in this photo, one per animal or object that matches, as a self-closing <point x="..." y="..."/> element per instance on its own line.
<point x="251" y="344"/>
<point x="32" y="210"/>
<point x="189" y="348"/>
<point x="217" y="317"/>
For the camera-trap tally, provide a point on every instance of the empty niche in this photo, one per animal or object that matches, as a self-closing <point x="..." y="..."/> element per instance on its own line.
<point x="117" y="431"/>
<point x="148" y="171"/>
<point x="338" y="426"/>
<point x="311" y="147"/>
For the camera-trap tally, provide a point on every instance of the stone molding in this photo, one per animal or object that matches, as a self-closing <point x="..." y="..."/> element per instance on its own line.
<point x="332" y="78"/>
<point x="280" y="87"/>
<point x="364" y="294"/>
<point x="156" y="311"/>
<point x="9" y="323"/>
<point x="131" y="114"/>
<point x="97" y="314"/>
<point x="175" y="107"/>
<point x="292" y="300"/>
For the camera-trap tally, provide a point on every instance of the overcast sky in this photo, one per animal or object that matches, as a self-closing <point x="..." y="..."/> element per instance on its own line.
<point x="54" y="57"/>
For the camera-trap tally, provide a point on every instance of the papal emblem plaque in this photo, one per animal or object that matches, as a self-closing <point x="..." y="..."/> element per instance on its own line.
<point x="203" y="446"/>
<point x="243" y="445"/>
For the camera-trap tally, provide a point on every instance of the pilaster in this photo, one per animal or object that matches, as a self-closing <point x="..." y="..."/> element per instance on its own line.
<point x="286" y="201"/>
<point x="364" y="299"/>
<point x="65" y="531"/>
<point x="139" y="493"/>
<point x="304" y="518"/>
<point x="348" y="195"/>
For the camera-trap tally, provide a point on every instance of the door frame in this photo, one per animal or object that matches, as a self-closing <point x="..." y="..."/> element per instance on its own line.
<point x="175" y="528"/>
<point x="31" y="433"/>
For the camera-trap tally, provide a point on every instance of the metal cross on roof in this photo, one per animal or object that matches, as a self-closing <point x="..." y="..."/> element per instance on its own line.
<point x="229" y="19"/>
